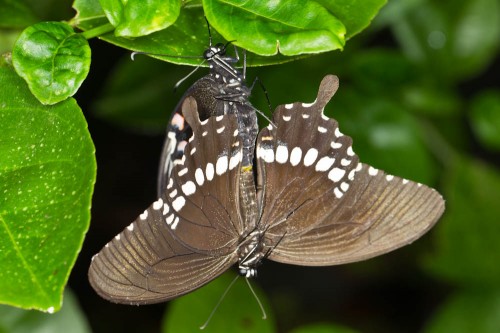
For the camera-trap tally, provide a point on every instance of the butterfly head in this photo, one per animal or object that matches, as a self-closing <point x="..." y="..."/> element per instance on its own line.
<point x="218" y="49"/>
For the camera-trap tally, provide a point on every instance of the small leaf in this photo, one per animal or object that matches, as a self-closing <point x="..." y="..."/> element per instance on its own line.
<point x="134" y="18"/>
<point x="47" y="172"/>
<point x="238" y="311"/>
<point x="287" y="27"/>
<point x="52" y="59"/>
<point x="485" y="118"/>
<point x="468" y="311"/>
<point x="467" y="235"/>
<point x="70" y="319"/>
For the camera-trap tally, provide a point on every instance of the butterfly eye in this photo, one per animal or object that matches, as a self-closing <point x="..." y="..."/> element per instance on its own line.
<point x="221" y="48"/>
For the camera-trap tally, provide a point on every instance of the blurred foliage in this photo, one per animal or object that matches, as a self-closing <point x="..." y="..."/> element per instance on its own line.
<point x="70" y="319"/>
<point x="418" y="96"/>
<point x="188" y="313"/>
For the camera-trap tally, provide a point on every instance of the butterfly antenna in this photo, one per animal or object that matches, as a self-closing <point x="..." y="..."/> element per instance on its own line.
<point x="209" y="33"/>
<point x="202" y="327"/>
<point x="185" y="77"/>
<point x="133" y="54"/>
<point x="264" y="316"/>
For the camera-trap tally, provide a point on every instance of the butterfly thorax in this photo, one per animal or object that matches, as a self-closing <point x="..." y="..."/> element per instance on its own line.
<point x="231" y="97"/>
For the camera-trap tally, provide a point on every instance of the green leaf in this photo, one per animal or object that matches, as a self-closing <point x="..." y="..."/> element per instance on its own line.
<point x="69" y="320"/>
<point x="188" y="35"/>
<point x="47" y="172"/>
<point x="52" y="59"/>
<point x="356" y="15"/>
<point x="467" y="235"/>
<point x="485" y="118"/>
<point x="323" y="328"/>
<point x="290" y="28"/>
<point x="89" y="14"/>
<point x="468" y="311"/>
<point x="134" y="18"/>
<point x="238" y="311"/>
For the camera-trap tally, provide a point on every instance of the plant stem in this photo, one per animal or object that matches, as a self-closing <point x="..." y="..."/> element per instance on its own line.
<point x="98" y="31"/>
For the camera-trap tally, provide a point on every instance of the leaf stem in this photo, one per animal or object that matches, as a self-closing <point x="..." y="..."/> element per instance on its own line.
<point x="98" y="31"/>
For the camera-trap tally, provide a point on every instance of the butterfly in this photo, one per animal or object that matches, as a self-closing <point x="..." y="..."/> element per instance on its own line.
<point x="222" y="91"/>
<point x="312" y="203"/>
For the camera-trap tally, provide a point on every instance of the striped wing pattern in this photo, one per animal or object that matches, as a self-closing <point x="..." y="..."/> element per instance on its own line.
<point x="321" y="206"/>
<point x="189" y="235"/>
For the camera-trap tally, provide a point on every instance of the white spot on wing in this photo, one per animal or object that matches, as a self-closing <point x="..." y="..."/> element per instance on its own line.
<point x="173" y="193"/>
<point x="281" y="154"/>
<point x="117" y="237"/>
<point x="344" y="186"/>
<point x="325" y="163"/>
<point x="350" y="152"/>
<point x="158" y="204"/>
<point x="188" y="188"/>
<point x="144" y="215"/>
<point x="286" y="118"/>
<point x="209" y="171"/>
<point x="131" y="227"/>
<point x="338" y="193"/>
<point x="308" y="105"/>
<point x="305" y="115"/>
<point x="178" y="203"/>
<point x="310" y="157"/>
<point x="219" y="118"/>
<point x="336" y="145"/>
<point x="372" y="171"/>
<point x="268" y="155"/>
<point x="176" y="221"/>
<point x="288" y="106"/>
<point x="169" y="219"/>
<point x="220" y="130"/>
<point x="322" y="129"/>
<point x="405" y="181"/>
<point x="200" y="178"/>
<point x="295" y="156"/>
<point x="345" y="162"/>
<point x="338" y="134"/>
<point x="389" y="177"/>
<point x="221" y="165"/>
<point x="336" y="174"/>
<point x="234" y="160"/>
<point x="193" y="151"/>
<point x="183" y="172"/>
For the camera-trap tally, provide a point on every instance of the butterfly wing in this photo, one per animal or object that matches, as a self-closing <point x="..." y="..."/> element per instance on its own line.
<point x="179" y="131"/>
<point x="190" y="235"/>
<point x="320" y="205"/>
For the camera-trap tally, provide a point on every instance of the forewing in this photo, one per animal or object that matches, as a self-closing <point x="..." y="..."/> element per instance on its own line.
<point x="189" y="236"/>
<point x="320" y="205"/>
